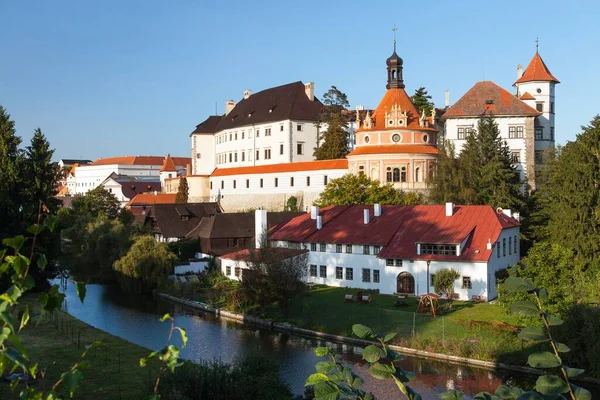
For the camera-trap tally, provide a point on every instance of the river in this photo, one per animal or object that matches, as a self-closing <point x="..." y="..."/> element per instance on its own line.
<point x="136" y="319"/>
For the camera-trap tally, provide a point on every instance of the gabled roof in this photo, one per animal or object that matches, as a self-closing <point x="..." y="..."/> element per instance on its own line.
<point x="275" y="254"/>
<point x="168" y="165"/>
<point x="176" y="220"/>
<point x="283" y="167"/>
<point x="395" y="149"/>
<point x="537" y="71"/>
<point x="400" y="228"/>
<point x="270" y="105"/>
<point x="236" y="225"/>
<point x="148" y="199"/>
<point x="487" y="98"/>
<point x="71" y="161"/>
<point x="141" y="160"/>
<point x="527" y="96"/>
<point x="132" y="185"/>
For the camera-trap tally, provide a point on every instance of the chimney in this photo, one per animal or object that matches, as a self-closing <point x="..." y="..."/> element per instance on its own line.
<point x="188" y="169"/>
<point x="377" y="210"/>
<point x="309" y="88"/>
<point x="247" y="94"/>
<point x="519" y="71"/>
<point x="489" y="244"/>
<point x="314" y="212"/>
<point x="260" y="226"/>
<point x="366" y="216"/>
<point x="447" y="98"/>
<point x="319" y="222"/>
<point x="449" y="209"/>
<point x="155" y="192"/>
<point x="229" y="104"/>
<point x="508" y="213"/>
<point x="517" y="216"/>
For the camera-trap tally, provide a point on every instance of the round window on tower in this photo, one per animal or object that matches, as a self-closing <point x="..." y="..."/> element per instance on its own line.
<point x="367" y="139"/>
<point x="396" y="138"/>
<point x="400" y="122"/>
<point x="391" y="122"/>
<point x="539" y="90"/>
<point x="425" y="139"/>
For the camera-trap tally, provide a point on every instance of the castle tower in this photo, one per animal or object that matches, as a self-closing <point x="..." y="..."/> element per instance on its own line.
<point x="168" y="170"/>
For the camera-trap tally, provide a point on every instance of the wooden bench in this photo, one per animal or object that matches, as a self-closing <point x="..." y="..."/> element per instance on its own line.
<point x="477" y="298"/>
<point x="348" y="297"/>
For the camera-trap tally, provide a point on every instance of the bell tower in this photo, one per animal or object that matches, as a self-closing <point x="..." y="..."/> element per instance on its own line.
<point x="394" y="71"/>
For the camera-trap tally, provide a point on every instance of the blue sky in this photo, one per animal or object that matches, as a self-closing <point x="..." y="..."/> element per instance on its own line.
<point x="111" y="78"/>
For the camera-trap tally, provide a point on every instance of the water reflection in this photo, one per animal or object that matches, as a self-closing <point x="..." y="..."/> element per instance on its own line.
<point x="135" y="318"/>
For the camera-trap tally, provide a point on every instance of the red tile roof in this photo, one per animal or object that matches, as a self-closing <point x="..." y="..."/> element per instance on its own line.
<point x="285" y="167"/>
<point x="487" y="98"/>
<point x="141" y="160"/>
<point x="168" y="165"/>
<point x="527" y="96"/>
<point x="142" y="199"/>
<point x="395" y="97"/>
<point x="537" y="71"/>
<point x="400" y="228"/>
<point x="395" y="149"/>
<point x="276" y="253"/>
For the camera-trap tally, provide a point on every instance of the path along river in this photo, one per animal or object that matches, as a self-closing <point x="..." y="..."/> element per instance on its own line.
<point x="136" y="319"/>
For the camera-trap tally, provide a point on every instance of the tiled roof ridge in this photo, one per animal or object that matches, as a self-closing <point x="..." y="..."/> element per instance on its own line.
<point x="168" y="165"/>
<point x="313" y="165"/>
<point x="537" y="70"/>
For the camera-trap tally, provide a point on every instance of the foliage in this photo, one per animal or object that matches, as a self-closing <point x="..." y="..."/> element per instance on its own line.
<point x="359" y="189"/>
<point x="581" y="324"/>
<point x="334" y="141"/>
<point x="291" y="204"/>
<point x="184" y="250"/>
<point x="252" y="377"/>
<point x="95" y="202"/>
<point x="444" y="281"/>
<point x="446" y="182"/>
<point x="573" y="193"/>
<point x="147" y="261"/>
<point x="422" y="101"/>
<point x="271" y="278"/>
<point x="183" y="191"/>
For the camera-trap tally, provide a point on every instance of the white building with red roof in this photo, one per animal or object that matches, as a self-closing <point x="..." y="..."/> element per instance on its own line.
<point x="525" y="119"/>
<point x="398" y="249"/>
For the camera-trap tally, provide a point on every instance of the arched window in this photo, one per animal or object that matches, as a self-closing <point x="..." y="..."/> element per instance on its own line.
<point x="393" y="74"/>
<point x="388" y="174"/>
<point x="417" y="174"/>
<point x="403" y="175"/>
<point x="396" y="175"/>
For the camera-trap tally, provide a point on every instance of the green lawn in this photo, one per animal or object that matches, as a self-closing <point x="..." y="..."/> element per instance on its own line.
<point x="114" y="371"/>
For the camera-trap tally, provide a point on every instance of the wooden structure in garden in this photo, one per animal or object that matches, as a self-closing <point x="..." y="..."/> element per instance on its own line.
<point x="428" y="303"/>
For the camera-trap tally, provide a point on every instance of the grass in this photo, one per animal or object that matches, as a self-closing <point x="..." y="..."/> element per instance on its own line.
<point x="57" y="343"/>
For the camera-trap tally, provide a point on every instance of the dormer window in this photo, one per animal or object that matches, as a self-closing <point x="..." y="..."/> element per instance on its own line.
<point x="438" y="249"/>
<point x="185" y="217"/>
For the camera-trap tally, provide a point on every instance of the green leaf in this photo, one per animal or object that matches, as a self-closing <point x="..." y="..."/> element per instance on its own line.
<point x="542" y="293"/>
<point x="451" y="395"/>
<point x="24" y="316"/>
<point x="543" y="359"/>
<point x="50" y="222"/>
<point x="357" y="381"/>
<point x="363" y="332"/>
<point x="389" y="336"/>
<point x="530" y="396"/>
<point x="520" y="285"/>
<point x="525" y="308"/>
<point x="15" y="242"/>
<point x="15" y="356"/>
<point x="35" y="229"/>
<point x="316" y="378"/>
<point x="487" y="396"/>
<point x="165" y="317"/>
<point x="381" y="371"/>
<point x="326" y="391"/>
<point x="81" y="290"/>
<point x="533" y="333"/>
<point x="507" y="393"/>
<point x="581" y="393"/>
<point x="553" y="321"/>
<point x="325" y="366"/>
<point x="321" y="351"/>
<point x="71" y="380"/>
<point x="8" y="319"/>
<point x="373" y="353"/>
<point x="550" y="385"/>
<point x="42" y="262"/>
<point x="573" y="372"/>
<point x="395" y="356"/>
<point x="412" y="395"/>
<point x="562" y="348"/>
<point x="184" y="338"/>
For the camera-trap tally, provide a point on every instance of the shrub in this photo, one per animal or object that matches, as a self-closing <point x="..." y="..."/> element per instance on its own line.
<point x="444" y="283"/>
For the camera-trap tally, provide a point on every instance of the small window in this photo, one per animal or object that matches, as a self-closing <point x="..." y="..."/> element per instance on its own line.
<point x="366" y="249"/>
<point x="280" y="128"/>
<point x="361" y="169"/>
<point x="375" y="276"/>
<point x="461" y="133"/>
<point x="243" y="155"/>
<point x="313" y="247"/>
<point x="515" y="156"/>
<point x="198" y="155"/>
<point x="323" y="271"/>
<point x="300" y="148"/>
<point x="339" y="273"/>
<point x="398" y="263"/>
<point x="267" y="154"/>
<point x="228" y="270"/>
<point x="257" y="155"/>
<point x="349" y="274"/>
<point x="520" y="131"/>
<point x="325" y="180"/>
<point x="338" y="248"/>
<point x="376" y="249"/>
<point x="432" y="280"/>
<point x="313" y="270"/>
<point x="308" y="181"/>
<point x="247" y="183"/>
<point x="236" y="136"/>
<point x="235" y="156"/>
<point x="261" y="182"/>
<point x="211" y="185"/>
<point x="366" y="275"/>
<point x="539" y="133"/>
<point x="539" y="157"/>
<point x="299" y="128"/>
<point x="281" y="149"/>
<point x="234" y="183"/>
<point x="551" y="133"/>
<point x="466" y="282"/>
<point x="322" y="247"/>
<point x="222" y="184"/>
<point x="498" y="249"/>
<point x="539" y="107"/>
<point x="509" y="245"/>
<point x="349" y="248"/>
<point x="292" y="181"/>
<point x="237" y="271"/>
<point x="267" y="131"/>
<point x="243" y="134"/>
<point x="515" y="244"/>
<point x="389" y="262"/>
<point x="276" y="182"/>
<point x="504" y="247"/>
<point x="552" y="107"/>
<point x="257" y="132"/>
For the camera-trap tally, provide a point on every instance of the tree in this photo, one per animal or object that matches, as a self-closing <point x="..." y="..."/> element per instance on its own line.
<point x="182" y="191"/>
<point x="291" y="204"/>
<point x="359" y="189"/>
<point x="447" y="180"/>
<point x="147" y="262"/>
<point x="422" y="101"/>
<point x="443" y="282"/>
<point x="97" y="201"/>
<point x="573" y="194"/>
<point x="333" y="143"/>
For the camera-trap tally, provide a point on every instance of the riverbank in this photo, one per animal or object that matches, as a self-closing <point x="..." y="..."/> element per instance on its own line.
<point x="56" y="344"/>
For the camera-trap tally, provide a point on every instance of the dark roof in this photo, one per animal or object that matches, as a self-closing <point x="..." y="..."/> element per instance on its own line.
<point x="176" y="220"/>
<point x="275" y="104"/>
<point x="237" y="225"/>
<point x="71" y="161"/>
<point x="487" y="98"/>
<point x="276" y="254"/>
<point x="133" y="185"/>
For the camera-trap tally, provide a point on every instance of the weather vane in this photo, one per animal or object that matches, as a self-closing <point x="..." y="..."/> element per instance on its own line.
<point x="537" y="44"/>
<point x="394" y="29"/>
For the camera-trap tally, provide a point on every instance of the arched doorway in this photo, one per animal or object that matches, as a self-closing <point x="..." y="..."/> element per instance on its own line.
<point x="405" y="283"/>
